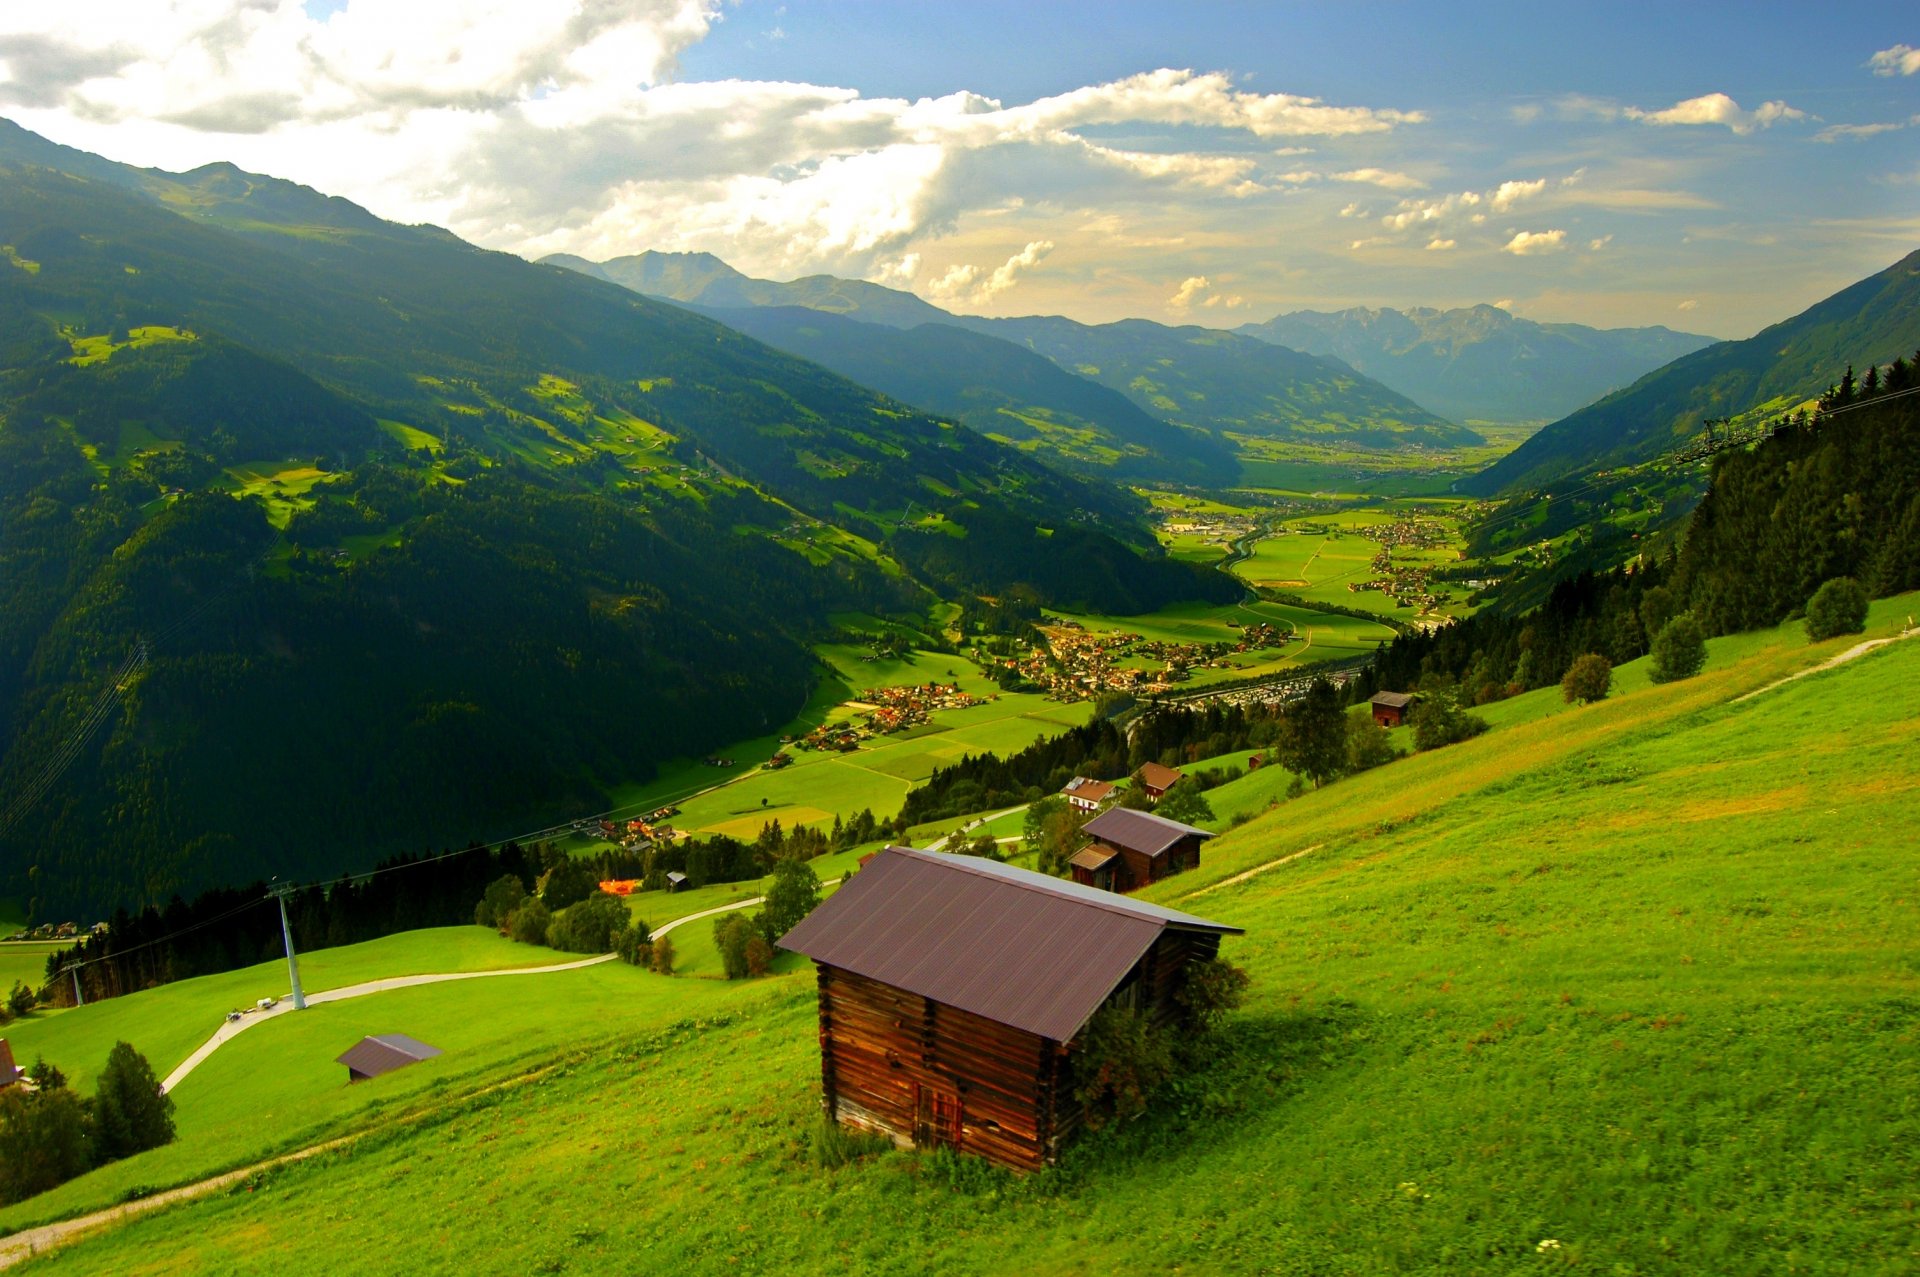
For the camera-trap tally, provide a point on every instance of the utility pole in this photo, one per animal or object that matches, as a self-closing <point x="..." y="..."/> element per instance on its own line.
<point x="281" y="890"/>
<point x="79" y="999"/>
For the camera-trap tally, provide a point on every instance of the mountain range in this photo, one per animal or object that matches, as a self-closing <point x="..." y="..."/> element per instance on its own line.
<point x="1481" y="363"/>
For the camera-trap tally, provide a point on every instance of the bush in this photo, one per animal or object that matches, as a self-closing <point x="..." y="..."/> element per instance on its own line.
<point x="503" y="897"/>
<point x="1212" y="989"/>
<point x="1439" y="721"/>
<point x="1368" y="745"/>
<point x="1836" y="608"/>
<point x="590" y="926"/>
<point x="1589" y="679"/>
<point x="663" y="955"/>
<point x="759" y="955"/>
<point x="731" y="932"/>
<point x="44" y="1140"/>
<point x="1185" y="803"/>
<point x="528" y="924"/>
<point x="634" y="945"/>
<point x="1679" y="650"/>
<point x="1123" y="1059"/>
<point x="835" y="1145"/>
<point x="130" y="1115"/>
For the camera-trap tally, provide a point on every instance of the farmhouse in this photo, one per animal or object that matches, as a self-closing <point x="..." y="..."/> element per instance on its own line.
<point x="1133" y="848"/>
<point x="371" y="1057"/>
<point x="1157" y="780"/>
<point x="1390" y="708"/>
<point x="953" y="990"/>
<point x="8" y="1073"/>
<point x="1086" y="794"/>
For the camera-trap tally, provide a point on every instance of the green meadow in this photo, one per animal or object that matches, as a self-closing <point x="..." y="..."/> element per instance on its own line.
<point x="24" y="963"/>
<point x="1624" y="988"/>
<point x="1318" y="636"/>
<point x="1320" y="557"/>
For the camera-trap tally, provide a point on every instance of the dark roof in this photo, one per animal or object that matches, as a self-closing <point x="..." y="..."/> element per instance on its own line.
<point x="1139" y="831"/>
<point x="1038" y="953"/>
<point x="1155" y="776"/>
<point x="1092" y="857"/>
<point x="1392" y="700"/>
<point x="385" y="1053"/>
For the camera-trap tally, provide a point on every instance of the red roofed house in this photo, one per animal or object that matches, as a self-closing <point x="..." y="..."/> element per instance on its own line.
<point x="953" y="990"/>
<point x="1087" y="795"/>
<point x="1157" y="780"/>
<point x="1133" y="848"/>
<point x="1390" y="708"/>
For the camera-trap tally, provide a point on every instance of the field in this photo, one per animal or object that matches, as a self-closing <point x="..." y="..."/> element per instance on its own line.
<point x="1320" y="636"/>
<point x="1627" y="988"/>
<point x="283" y="485"/>
<point x="24" y="963"/>
<point x="1319" y="557"/>
<point x="819" y="785"/>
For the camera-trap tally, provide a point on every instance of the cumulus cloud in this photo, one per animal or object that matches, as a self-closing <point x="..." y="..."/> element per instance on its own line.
<point x="1901" y="59"/>
<point x="973" y="286"/>
<point x="1535" y="243"/>
<point x="1717" y="108"/>
<point x="1439" y="245"/>
<point x="1689" y="304"/>
<point x="1354" y="210"/>
<point x="560" y="127"/>
<point x="1595" y="245"/>
<point x="1507" y="194"/>
<point x="1197" y="290"/>
<point x="1384" y="178"/>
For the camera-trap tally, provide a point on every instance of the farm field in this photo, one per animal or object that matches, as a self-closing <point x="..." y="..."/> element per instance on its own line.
<point x="821" y="784"/>
<point x="1621" y="988"/>
<point x="1321" y="636"/>
<point x="1318" y="557"/>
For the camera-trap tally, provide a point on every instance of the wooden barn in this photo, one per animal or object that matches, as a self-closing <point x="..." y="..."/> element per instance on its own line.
<point x="952" y="990"/>
<point x="1133" y="848"/>
<point x="374" y="1056"/>
<point x="1390" y="708"/>
<point x="9" y="1072"/>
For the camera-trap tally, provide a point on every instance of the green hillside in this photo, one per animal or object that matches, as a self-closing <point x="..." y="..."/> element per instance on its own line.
<point x="1625" y="987"/>
<point x="507" y="537"/>
<point x="1876" y="320"/>
<point x="1481" y="363"/>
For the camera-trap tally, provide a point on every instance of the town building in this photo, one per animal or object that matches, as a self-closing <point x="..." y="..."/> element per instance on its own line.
<point x="953" y="991"/>
<point x="1390" y="708"/>
<point x="1133" y="848"/>
<point x="1087" y="794"/>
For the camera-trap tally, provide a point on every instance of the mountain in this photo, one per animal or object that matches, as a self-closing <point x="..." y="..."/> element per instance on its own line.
<point x="323" y="538"/>
<point x="1875" y="320"/>
<point x="1002" y="390"/>
<point x="1217" y="382"/>
<point x="1481" y="363"/>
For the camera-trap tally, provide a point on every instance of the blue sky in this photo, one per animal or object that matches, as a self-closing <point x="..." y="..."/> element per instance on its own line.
<point x="1709" y="167"/>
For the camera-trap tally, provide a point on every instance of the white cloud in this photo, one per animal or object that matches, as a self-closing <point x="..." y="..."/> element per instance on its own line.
<point x="1595" y="245"/>
<point x="1189" y="290"/>
<point x="972" y="286"/>
<point x="1859" y="132"/>
<point x="1689" y="304"/>
<point x="1510" y="193"/>
<point x="1416" y="212"/>
<point x="1535" y="243"/>
<point x="1717" y="108"/>
<point x="1354" y="210"/>
<point x="1901" y="59"/>
<point x="1384" y="178"/>
<point x="1440" y="245"/>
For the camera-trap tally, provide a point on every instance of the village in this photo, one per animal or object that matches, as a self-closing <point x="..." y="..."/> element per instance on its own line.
<point x="1078" y="664"/>
<point x="882" y="711"/>
<point x="1406" y="584"/>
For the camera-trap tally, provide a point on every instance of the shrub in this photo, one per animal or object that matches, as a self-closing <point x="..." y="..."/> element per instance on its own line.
<point x="731" y="932"/>
<point x="759" y="955"/>
<point x="1439" y="721"/>
<point x="502" y="898"/>
<point x="634" y="944"/>
<point x="590" y="926"/>
<point x="663" y="955"/>
<point x="836" y="1145"/>
<point x="1185" y="803"/>
<point x="1836" y="608"/>
<point x="1588" y="679"/>
<point x="1679" y="650"/>
<point x="130" y="1114"/>
<point x="44" y="1140"/>
<point x="1212" y="989"/>
<point x="1122" y="1060"/>
<point x="528" y="924"/>
<point x="22" y="999"/>
<point x="1368" y="745"/>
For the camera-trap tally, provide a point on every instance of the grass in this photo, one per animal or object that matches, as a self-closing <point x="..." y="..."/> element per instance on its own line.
<point x="1319" y="557"/>
<point x="282" y="485"/>
<point x="25" y="963"/>
<point x="1319" y="636"/>
<point x="98" y="349"/>
<point x="1635" y="979"/>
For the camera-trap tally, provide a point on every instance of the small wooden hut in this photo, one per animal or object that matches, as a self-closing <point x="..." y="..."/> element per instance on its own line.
<point x="1133" y="848"/>
<point x="952" y="991"/>
<point x="374" y="1056"/>
<point x="1390" y="708"/>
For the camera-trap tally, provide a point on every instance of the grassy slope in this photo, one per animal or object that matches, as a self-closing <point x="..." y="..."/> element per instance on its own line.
<point x="1636" y="977"/>
<point x="26" y="962"/>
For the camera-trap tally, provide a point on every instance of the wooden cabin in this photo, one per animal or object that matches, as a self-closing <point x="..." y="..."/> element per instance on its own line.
<point x="953" y="989"/>
<point x="9" y="1073"/>
<point x="1390" y="708"/>
<point x="1157" y="779"/>
<point x="1133" y="848"/>
<point x="374" y="1056"/>
<point x="1086" y="794"/>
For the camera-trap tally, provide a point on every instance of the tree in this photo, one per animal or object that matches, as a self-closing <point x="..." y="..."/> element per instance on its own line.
<point x="1368" y="744"/>
<point x="1052" y="833"/>
<point x="1657" y="607"/>
<point x="1186" y="803"/>
<point x="568" y="883"/>
<point x="529" y="922"/>
<point x="1122" y="1059"/>
<point x="130" y="1113"/>
<point x="1679" y="650"/>
<point x="792" y="895"/>
<point x="1211" y="989"/>
<point x="503" y="896"/>
<point x="590" y="926"/>
<point x="1313" y="734"/>
<point x="1135" y="796"/>
<point x="663" y="955"/>
<point x="21" y="1000"/>
<point x="1837" y="607"/>
<point x="45" y="1140"/>
<point x="634" y="945"/>
<point x="1438" y="720"/>
<point x="759" y="955"/>
<point x="1588" y="679"/>
<point x="731" y="932"/>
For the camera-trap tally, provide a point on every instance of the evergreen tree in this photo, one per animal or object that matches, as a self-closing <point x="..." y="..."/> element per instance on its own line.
<point x="1313" y="734"/>
<point x="792" y="895"/>
<point x="130" y="1113"/>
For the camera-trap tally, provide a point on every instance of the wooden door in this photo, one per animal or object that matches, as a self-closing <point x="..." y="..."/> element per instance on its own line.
<point x="939" y="1117"/>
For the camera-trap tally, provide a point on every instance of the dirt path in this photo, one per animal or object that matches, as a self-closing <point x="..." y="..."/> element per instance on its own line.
<point x="1853" y="653"/>
<point x="1255" y="871"/>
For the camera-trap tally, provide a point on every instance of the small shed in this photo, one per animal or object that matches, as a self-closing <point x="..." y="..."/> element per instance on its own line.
<point x="374" y="1056"/>
<point x="675" y="881"/>
<point x="1087" y="794"/>
<point x="9" y="1074"/>
<point x="1157" y="780"/>
<point x="1133" y="848"/>
<point x="953" y="990"/>
<point x="1390" y="708"/>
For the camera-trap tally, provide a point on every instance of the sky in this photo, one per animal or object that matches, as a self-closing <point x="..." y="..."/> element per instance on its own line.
<point x="1710" y="167"/>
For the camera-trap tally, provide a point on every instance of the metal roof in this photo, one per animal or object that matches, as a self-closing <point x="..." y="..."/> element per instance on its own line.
<point x="1139" y="831"/>
<point x="1035" y="952"/>
<point x="1092" y="856"/>
<point x="383" y="1054"/>
<point x="1392" y="700"/>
